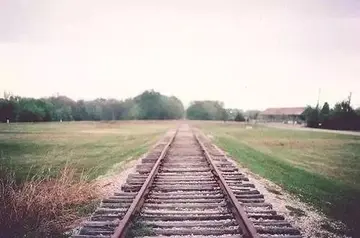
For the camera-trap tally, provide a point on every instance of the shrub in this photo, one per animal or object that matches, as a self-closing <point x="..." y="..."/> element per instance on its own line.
<point x="206" y="110"/>
<point x="341" y="117"/>
<point x="42" y="207"/>
<point x="312" y="117"/>
<point x="239" y="117"/>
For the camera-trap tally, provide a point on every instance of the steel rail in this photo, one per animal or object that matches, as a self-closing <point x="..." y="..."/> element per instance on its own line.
<point x="120" y="230"/>
<point x="240" y="215"/>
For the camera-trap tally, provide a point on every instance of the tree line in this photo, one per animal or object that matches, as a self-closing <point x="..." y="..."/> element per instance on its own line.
<point x="341" y="117"/>
<point x="215" y="110"/>
<point x="206" y="110"/>
<point x="151" y="105"/>
<point x="148" y="105"/>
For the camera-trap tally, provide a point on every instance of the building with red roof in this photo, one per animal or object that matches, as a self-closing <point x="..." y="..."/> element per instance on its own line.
<point x="282" y="114"/>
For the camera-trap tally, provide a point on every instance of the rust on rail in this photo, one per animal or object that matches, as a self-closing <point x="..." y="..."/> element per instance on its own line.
<point x="245" y="224"/>
<point x="139" y="199"/>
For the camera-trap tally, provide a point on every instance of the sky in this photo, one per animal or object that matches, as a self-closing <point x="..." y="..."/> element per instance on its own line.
<point x="248" y="54"/>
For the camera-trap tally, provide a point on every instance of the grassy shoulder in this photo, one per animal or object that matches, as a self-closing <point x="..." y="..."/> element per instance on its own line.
<point x="91" y="148"/>
<point x="47" y="170"/>
<point x="321" y="168"/>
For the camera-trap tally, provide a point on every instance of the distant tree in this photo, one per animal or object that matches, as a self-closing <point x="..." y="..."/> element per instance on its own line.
<point x="206" y="110"/>
<point x="176" y="108"/>
<point x="154" y="106"/>
<point x="30" y="110"/>
<point x="357" y="111"/>
<point x="130" y="111"/>
<point x="63" y="107"/>
<point x="224" y="115"/>
<point x="324" y="114"/>
<point x="344" y="117"/>
<point x="197" y="111"/>
<point x="312" y="116"/>
<point x="252" y="114"/>
<point x="79" y="112"/>
<point x="8" y="110"/>
<point x="239" y="117"/>
<point x="232" y="112"/>
<point x="48" y="109"/>
<point x="342" y="107"/>
<point x="325" y="110"/>
<point x="341" y="117"/>
<point x="92" y="110"/>
<point x="148" y="105"/>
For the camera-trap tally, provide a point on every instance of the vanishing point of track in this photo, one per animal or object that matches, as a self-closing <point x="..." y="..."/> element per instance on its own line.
<point x="186" y="188"/>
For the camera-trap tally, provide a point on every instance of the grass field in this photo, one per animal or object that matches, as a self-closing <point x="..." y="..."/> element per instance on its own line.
<point x="47" y="170"/>
<point x="323" y="169"/>
<point x="92" y="148"/>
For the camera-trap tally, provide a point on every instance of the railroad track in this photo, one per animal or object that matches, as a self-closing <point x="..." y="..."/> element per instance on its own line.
<point x="186" y="188"/>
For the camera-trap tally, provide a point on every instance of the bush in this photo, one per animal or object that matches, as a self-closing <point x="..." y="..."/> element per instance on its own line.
<point x="311" y="116"/>
<point x="41" y="207"/>
<point x="239" y="117"/>
<point x="341" y="117"/>
<point x="357" y="111"/>
<point x="206" y="110"/>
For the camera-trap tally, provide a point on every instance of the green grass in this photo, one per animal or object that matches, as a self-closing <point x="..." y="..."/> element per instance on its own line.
<point x="323" y="169"/>
<point x="47" y="170"/>
<point x="92" y="148"/>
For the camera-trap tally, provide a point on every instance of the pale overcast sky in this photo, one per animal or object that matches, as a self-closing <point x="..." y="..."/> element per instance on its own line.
<point x="248" y="54"/>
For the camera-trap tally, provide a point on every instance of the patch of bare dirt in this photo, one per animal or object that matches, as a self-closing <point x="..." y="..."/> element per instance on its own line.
<point x="110" y="184"/>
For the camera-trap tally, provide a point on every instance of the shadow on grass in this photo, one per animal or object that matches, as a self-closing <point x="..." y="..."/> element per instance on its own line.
<point x="335" y="198"/>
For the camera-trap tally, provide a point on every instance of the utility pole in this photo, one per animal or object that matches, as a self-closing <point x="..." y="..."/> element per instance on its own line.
<point x="349" y="102"/>
<point x="318" y="97"/>
<point x="350" y="98"/>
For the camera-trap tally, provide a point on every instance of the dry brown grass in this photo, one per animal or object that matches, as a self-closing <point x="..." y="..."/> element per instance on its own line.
<point x="42" y="207"/>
